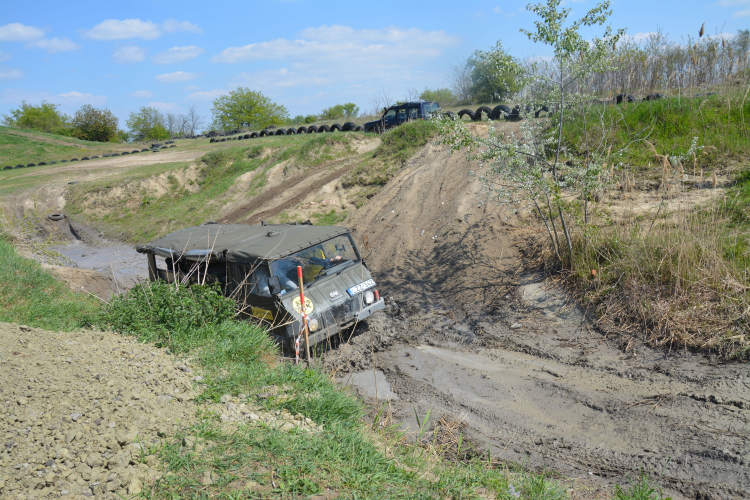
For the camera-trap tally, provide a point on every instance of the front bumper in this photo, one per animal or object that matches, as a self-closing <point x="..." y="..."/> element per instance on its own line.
<point x="364" y="313"/>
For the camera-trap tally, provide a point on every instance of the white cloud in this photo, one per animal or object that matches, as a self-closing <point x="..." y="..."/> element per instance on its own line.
<point x="497" y="10"/>
<point x="53" y="45"/>
<point x="345" y="44"/>
<point x="10" y="74"/>
<point x="741" y="13"/>
<point x="638" y="37"/>
<point x="173" y="25"/>
<point x="279" y="78"/>
<point x="177" y="55"/>
<point x="142" y="93"/>
<point x="206" y="95"/>
<point x="17" y="32"/>
<point x="81" y="98"/>
<point x="115" y="29"/>
<point x="177" y="76"/>
<point x="4" y="56"/>
<point x="129" y="54"/>
<point x="164" y="106"/>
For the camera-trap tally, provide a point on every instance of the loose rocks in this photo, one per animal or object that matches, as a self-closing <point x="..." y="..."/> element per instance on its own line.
<point x="81" y="412"/>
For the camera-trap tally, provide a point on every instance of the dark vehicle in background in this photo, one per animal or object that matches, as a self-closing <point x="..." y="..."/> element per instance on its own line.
<point x="257" y="267"/>
<point x="402" y="113"/>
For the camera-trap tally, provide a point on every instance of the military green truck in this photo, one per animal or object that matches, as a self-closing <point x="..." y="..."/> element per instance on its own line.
<point x="257" y="267"/>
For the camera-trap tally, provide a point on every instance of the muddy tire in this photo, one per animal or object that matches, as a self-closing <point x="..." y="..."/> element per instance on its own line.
<point x="335" y="127"/>
<point x="480" y="111"/>
<point x="466" y="112"/>
<point x="312" y="129"/>
<point x="56" y="217"/>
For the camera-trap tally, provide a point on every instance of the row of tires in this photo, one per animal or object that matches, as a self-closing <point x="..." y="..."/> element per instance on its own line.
<point x="312" y="129"/>
<point x="500" y="111"/>
<point x="108" y="155"/>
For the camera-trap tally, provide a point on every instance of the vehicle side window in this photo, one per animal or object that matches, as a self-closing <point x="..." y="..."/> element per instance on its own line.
<point x="413" y="114"/>
<point x="401" y="114"/>
<point x="256" y="280"/>
<point x="390" y="115"/>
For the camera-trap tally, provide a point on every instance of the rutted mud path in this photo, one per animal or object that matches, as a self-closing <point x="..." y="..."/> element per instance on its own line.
<point x="467" y="337"/>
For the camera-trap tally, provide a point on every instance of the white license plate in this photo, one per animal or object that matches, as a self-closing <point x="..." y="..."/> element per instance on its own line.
<point x="360" y="288"/>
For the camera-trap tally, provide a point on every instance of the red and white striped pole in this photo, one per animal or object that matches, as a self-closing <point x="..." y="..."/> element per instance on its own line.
<point x="303" y="313"/>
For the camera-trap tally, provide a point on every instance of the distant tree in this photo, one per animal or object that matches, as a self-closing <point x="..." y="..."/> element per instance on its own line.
<point x="461" y="83"/>
<point x="92" y="124"/>
<point x="444" y="96"/>
<point x="246" y="108"/>
<point x="44" y="117"/>
<point x="311" y="119"/>
<point x="488" y="83"/>
<point x="170" y="123"/>
<point x="297" y="119"/>
<point x="348" y="110"/>
<point x="192" y="121"/>
<point x="147" y="125"/>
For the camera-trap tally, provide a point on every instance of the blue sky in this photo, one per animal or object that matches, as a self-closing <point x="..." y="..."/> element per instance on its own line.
<point x="306" y="55"/>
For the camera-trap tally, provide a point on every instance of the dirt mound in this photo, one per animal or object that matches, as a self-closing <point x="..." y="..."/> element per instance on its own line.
<point x="96" y="283"/>
<point x="432" y="237"/>
<point x="82" y="412"/>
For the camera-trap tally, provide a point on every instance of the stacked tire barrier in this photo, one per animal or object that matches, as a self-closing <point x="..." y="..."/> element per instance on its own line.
<point x="171" y="144"/>
<point x="271" y="130"/>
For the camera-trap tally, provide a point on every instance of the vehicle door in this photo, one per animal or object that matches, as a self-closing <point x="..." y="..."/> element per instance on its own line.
<point x="413" y="114"/>
<point x="401" y="115"/>
<point x="255" y="291"/>
<point x="389" y="118"/>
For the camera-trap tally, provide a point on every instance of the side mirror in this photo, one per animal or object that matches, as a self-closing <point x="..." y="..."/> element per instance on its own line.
<point x="274" y="285"/>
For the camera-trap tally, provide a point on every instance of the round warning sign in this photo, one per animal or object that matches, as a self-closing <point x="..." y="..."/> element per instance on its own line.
<point x="297" y="304"/>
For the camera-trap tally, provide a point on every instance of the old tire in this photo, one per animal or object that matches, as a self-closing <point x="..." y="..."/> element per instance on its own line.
<point x="466" y="112"/>
<point x="253" y="135"/>
<point x="335" y="127"/>
<point x="500" y="111"/>
<point x="31" y="165"/>
<point x="481" y="110"/>
<point x="312" y="129"/>
<point x="324" y="128"/>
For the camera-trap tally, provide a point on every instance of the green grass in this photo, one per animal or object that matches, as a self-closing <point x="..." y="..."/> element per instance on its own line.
<point x="32" y="296"/>
<point x="24" y="149"/>
<point x="398" y="145"/>
<point x="720" y="122"/>
<point x="331" y="218"/>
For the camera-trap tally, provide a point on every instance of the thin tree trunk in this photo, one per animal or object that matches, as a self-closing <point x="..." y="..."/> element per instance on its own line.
<point x="549" y="231"/>
<point x="552" y="220"/>
<point x="567" y="234"/>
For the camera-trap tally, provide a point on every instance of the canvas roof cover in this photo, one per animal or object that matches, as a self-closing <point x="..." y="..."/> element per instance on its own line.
<point x="240" y="243"/>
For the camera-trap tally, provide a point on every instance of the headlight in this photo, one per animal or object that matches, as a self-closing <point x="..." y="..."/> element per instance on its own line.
<point x="313" y="324"/>
<point x="369" y="297"/>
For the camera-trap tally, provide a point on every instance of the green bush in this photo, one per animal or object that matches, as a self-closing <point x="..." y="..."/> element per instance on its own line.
<point x="175" y="316"/>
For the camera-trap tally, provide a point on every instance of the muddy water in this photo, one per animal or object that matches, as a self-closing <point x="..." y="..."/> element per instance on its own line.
<point x="120" y="260"/>
<point x="538" y="385"/>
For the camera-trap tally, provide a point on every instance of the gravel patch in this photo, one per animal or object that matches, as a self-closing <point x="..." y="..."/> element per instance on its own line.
<point x="81" y="413"/>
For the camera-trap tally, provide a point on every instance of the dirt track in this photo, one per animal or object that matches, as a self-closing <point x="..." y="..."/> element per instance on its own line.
<point x="468" y="336"/>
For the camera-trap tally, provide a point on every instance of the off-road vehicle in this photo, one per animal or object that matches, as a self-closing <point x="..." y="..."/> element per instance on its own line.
<point x="257" y="266"/>
<point x="402" y="113"/>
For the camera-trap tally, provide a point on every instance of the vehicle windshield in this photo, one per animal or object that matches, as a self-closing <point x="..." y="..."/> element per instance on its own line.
<point x="430" y="108"/>
<point x="316" y="261"/>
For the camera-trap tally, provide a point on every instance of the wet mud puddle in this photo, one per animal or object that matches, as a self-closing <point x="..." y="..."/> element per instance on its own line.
<point x="539" y="388"/>
<point x="119" y="260"/>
